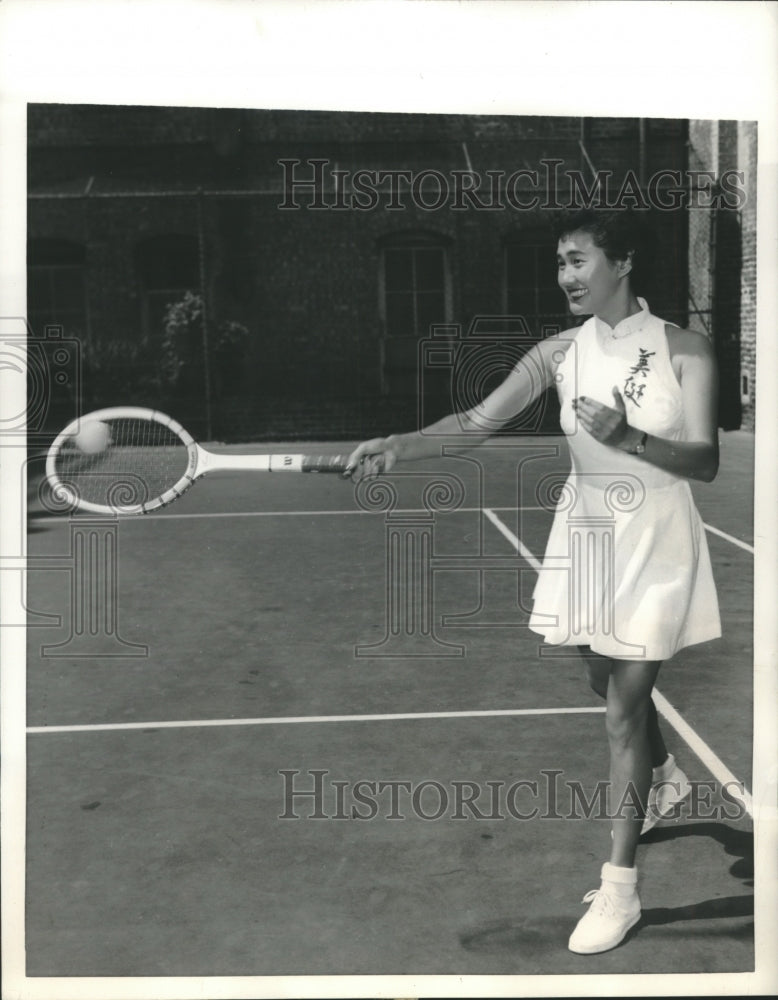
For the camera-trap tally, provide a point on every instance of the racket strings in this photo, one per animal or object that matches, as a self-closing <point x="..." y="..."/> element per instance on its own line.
<point x="143" y="461"/>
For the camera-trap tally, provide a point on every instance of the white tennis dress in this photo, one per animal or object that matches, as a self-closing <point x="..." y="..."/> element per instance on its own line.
<point x="627" y="570"/>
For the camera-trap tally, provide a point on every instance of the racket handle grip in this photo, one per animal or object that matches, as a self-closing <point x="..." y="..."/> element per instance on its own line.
<point x="324" y="463"/>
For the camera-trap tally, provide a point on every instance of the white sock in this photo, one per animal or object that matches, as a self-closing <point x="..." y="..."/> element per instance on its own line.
<point x="623" y="881"/>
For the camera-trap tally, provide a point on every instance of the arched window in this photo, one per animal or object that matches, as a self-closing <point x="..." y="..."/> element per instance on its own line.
<point x="415" y="285"/>
<point x="167" y="267"/>
<point x="414" y="295"/>
<point x="55" y="286"/>
<point x="530" y="282"/>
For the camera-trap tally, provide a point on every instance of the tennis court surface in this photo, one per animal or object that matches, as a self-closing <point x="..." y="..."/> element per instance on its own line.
<point x="288" y="727"/>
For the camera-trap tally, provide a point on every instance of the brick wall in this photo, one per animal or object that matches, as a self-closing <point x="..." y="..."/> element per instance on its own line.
<point x="746" y="156"/>
<point x="304" y="283"/>
<point x="722" y="265"/>
<point x="703" y="153"/>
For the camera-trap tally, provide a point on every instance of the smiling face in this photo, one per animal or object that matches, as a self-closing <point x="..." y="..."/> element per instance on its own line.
<point x="592" y="282"/>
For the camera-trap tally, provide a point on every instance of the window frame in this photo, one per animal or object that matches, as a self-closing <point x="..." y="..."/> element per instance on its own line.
<point x="541" y="321"/>
<point x="153" y="282"/>
<point x="412" y="242"/>
<point x="47" y="257"/>
<point x="398" y="352"/>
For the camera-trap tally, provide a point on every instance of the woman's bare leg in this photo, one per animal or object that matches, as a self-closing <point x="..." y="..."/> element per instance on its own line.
<point x="598" y="670"/>
<point x="627" y="719"/>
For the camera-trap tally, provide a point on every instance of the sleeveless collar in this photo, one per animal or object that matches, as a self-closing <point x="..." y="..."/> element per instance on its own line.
<point x="627" y="326"/>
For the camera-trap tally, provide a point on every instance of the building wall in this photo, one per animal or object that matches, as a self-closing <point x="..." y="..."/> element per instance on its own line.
<point x="747" y="159"/>
<point x="722" y="265"/>
<point x="305" y="282"/>
<point x="703" y="154"/>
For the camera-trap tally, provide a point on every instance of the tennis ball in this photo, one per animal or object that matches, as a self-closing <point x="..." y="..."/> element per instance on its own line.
<point x="94" y="437"/>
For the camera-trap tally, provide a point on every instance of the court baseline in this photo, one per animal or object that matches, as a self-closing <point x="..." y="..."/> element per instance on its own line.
<point x="297" y="719"/>
<point x="695" y="742"/>
<point x="53" y="519"/>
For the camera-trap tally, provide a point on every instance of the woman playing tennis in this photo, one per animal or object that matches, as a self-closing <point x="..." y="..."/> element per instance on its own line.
<point x="626" y="575"/>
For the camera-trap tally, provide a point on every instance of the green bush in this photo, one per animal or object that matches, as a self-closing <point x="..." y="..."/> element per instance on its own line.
<point x="181" y="356"/>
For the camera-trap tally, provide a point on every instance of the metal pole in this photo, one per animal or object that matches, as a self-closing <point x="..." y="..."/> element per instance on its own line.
<point x="582" y="137"/>
<point x="87" y="297"/>
<point x="204" y="307"/>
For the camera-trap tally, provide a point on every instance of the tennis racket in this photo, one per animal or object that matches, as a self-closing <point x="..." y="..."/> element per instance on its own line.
<point x="132" y="460"/>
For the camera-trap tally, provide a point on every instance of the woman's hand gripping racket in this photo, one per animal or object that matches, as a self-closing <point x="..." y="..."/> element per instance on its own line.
<point x="131" y="460"/>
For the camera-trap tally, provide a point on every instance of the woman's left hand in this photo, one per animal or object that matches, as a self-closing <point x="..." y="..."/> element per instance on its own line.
<point x="605" y="423"/>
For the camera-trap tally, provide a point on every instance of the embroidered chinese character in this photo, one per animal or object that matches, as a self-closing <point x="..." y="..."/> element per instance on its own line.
<point x="634" y="386"/>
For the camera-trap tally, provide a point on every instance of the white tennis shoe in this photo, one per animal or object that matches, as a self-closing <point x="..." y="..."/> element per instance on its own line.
<point x="670" y="787"/>
<point x="614" y="909"/>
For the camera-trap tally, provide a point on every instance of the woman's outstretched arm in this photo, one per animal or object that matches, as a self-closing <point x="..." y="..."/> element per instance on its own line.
<point x="531" y="376"/>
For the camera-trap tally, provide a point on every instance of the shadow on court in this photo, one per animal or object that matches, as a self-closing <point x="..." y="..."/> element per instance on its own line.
<point x="721" y="916"/>
<point x="546" y="936"/>
<point x="159" y="851"/>
<point x="735" y="843"/>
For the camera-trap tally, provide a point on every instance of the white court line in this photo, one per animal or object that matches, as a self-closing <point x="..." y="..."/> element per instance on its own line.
<point x="729" y="538"/>
<point x="140" y="519"/>
<point x="715" y="765"/>
<point x="515" y="541"/>
<point x="53" y="518"/>
<point x="297" y="719"/>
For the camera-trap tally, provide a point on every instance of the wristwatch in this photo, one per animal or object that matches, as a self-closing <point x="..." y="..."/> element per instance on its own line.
<point x="640" y="447"/>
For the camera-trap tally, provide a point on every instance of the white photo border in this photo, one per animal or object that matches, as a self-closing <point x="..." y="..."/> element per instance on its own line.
<point x="690" y="60"/>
